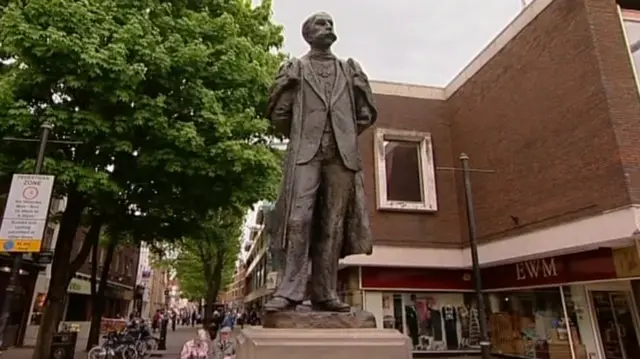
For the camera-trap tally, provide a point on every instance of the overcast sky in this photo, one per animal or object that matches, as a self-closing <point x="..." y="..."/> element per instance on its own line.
<point x="423" y="42"/>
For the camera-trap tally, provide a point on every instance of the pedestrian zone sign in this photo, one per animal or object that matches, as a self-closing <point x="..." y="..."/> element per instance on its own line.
<point x="26" y="213"/>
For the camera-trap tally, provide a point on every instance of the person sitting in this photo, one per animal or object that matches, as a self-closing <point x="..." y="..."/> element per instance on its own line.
<point x="224" y="346"/>
<point x="196" y="348"/>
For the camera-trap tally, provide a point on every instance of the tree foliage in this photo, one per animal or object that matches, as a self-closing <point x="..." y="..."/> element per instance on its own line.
<point x="166" y="97"/>
<point x="206" y="263"/>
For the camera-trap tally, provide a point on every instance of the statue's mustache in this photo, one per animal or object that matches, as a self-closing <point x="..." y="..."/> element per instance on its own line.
<point x="328" y="34"/>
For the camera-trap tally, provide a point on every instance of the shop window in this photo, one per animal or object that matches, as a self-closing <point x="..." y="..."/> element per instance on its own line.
<point x="632" y="28"/>
<point x="530" y="324"/>
<point x="435" y="322"/>
<point x="38" y="309"/>
<point x="77" y="308"/>
<point x="405" y="178"/>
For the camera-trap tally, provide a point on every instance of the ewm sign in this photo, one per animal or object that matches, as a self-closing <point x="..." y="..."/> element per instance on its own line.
<point x="536" y="268"/>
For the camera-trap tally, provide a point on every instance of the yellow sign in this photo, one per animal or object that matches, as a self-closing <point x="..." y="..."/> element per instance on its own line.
<point x="22" y="245"/>
<point x="626" y="262"/>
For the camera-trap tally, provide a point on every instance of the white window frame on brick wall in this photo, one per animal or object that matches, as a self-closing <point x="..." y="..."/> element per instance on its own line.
<point x="429" y="201"/>
<point x="630" y="16"/>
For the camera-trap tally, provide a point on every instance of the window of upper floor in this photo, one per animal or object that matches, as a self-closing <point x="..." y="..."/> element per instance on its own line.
<point x="631" y="20"/>
<point x="405" y="173"/>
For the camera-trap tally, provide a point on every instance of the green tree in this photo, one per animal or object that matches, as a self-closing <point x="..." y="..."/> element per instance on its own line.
<point x="206" y="262"/>
<point x="164" y="95"/>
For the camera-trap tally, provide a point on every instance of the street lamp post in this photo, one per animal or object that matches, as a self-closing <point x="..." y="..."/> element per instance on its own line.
<point x="473" y="246"/>
<point x="12" y="286"/>
<point x="14" y="276"/>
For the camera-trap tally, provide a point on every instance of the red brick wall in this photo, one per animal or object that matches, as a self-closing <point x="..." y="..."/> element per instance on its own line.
<point x="541" y="114"/>
<point x="405" y="228"/>
<point x="556" y="113"/>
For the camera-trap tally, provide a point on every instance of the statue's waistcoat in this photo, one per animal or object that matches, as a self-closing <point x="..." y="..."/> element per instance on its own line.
<point x="327" y="105"/>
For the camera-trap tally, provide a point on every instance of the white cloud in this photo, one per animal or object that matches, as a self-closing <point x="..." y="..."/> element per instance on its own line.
<point x="415" y="41"/>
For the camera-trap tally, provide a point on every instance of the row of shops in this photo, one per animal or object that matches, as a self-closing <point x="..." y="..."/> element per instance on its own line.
<point x="29" y="302"/>
<point x="582" y="305"/>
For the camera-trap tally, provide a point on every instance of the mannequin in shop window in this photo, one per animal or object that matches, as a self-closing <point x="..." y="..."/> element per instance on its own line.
<point x="435" y="328"/>
<point x="450" y="326"/>
<point x="464" y="316"/>
<point x="474" y="326"/>
<point x="411" y="318"/>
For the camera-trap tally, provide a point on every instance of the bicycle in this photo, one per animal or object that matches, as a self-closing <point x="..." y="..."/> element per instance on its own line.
<point x="115" y="346"/>
<point x="145" y="343"/>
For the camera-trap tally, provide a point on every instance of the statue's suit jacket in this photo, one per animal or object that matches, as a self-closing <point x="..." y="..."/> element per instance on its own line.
<point x="299" y="111"/>
<point x="339" y="110"/>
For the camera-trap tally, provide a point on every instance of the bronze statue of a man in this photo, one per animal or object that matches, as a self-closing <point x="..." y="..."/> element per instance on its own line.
<point x="321" y="103"/>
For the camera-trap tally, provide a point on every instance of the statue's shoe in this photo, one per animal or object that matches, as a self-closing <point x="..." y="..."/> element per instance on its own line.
<point x="332" y="305"/>
<point x="278" y="304"/>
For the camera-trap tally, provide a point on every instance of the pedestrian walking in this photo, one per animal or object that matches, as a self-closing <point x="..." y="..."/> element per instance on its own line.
<point x="196" y="348"/>
<point x="174" y="319"/>
<point x="224" y="346"/>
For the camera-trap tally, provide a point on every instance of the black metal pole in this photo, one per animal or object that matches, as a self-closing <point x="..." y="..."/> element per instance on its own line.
<point x="162" y="342"/>
<point x="14" y="276"/>
<point x="471" y="222"/>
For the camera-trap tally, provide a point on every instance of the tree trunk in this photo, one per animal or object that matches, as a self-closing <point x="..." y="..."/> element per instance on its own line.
<point x="213" y="278"/>
<point x="97" y="297"/>
<point x="60" y="276"/>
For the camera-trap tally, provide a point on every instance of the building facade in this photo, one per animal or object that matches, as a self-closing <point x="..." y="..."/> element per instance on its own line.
<point x="234" y="293"/>
<point x="260" y="267"/>
<point x="551" y="109"/>
<point x="142" y="293"/>
<point x="551" y="105"/>
<point x="119" y="293"/>
<point x="159" y="290"/>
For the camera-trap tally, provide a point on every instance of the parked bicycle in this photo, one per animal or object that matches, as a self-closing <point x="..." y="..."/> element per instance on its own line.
<point x="115" y="346"/>
<point x="145" y="342"/>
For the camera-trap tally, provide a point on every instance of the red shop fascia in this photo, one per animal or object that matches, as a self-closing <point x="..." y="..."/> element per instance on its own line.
<point x="593" y="265"/>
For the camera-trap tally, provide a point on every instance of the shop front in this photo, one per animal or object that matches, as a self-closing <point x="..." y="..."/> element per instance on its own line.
<point x="436" y="308"/>
<point x="555" y="307"/>
<point x="576" y="306"/>
<point x="118" y="301"/>
<point x="18" y="317"/>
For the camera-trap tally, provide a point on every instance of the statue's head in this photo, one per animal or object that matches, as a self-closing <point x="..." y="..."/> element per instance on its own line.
<point x="318" y="32"/>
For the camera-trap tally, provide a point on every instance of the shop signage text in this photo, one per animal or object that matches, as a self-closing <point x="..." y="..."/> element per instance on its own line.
<point x="536" y="268"/>
<point x="591" y="265"/>
<point x="79" y="286"/>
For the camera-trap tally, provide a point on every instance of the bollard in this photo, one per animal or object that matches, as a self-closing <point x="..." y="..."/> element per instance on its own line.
<point x="162" y="343"/>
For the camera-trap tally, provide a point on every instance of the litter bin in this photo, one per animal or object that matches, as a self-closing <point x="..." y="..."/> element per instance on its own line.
<point x="63" y="345"/>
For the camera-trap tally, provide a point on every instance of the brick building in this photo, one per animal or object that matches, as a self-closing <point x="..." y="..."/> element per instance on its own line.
<point x="552" y="105"/>
<point x="234" y="293"/>
<point x="257" y="259"/>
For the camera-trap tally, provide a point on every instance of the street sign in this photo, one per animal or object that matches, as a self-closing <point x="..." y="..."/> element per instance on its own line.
<point x="26" y="212"/>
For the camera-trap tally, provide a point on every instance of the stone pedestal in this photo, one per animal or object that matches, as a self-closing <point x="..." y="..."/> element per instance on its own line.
<point x="304" y="318"/>
<point x="268" y="343"/>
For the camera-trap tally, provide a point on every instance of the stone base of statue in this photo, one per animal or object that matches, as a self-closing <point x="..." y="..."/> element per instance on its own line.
<point x="305" y="318"/>
<point x="270" y="343"/>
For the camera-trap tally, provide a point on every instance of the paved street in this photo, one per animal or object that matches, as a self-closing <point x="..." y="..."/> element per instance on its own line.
<point x="175" y="340"/>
